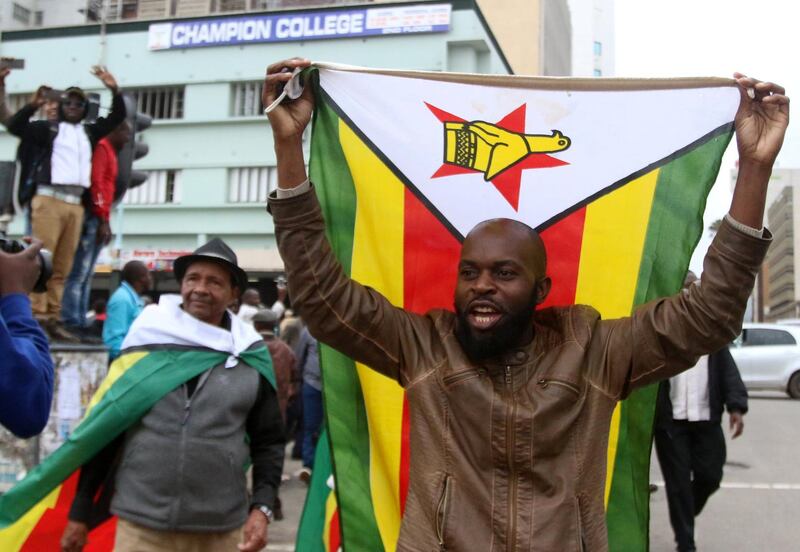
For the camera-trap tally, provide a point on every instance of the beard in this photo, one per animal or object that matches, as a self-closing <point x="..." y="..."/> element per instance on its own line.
<point x="505" y="335"/>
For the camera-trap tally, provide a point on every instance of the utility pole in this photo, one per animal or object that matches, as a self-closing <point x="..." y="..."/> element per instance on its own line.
<point x="104" y="7"/>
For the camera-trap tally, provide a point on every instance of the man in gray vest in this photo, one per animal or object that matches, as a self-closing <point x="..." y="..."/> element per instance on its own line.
<point x="181" y="481"/>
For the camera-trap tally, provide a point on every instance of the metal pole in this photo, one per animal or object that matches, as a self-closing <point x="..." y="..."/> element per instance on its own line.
<point x="103" y="16"/>
<point x="119" y="230"/>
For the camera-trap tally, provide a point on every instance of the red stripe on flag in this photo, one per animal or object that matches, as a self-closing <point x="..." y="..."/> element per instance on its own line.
<point x="563" y="244"/>
<point x="430" y="254"/>
<point x="405" y="456"/>
<point x="101" y="538"/>
<point x="334" y="534"/>
<point x="46" y="535"/>
<point x="68" y="489"/>
<point x="430" y="267"/>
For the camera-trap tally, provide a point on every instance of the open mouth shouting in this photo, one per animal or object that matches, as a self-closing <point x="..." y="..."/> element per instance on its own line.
<point x="484" y="315"/>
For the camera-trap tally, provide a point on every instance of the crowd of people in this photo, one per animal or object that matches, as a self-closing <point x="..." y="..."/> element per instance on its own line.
<point x="241" y="376"/>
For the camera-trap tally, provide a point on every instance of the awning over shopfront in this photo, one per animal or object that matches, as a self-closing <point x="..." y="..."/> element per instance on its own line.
<point x="251" y="260"/>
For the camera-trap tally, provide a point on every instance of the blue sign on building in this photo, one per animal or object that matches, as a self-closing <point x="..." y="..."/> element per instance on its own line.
<point x="287" y="27"/>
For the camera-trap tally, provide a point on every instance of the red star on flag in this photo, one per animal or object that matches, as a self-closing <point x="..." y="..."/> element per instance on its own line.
<point x="509" y="181"/>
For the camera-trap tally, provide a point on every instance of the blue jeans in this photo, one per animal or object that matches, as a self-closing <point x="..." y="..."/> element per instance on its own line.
<point x="75" y="303"/>
<point x="312" y="420"/>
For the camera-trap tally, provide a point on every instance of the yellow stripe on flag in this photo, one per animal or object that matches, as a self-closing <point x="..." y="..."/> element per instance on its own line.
<point x="614" y="232"/>
<point x="378" y="262"/>
<point x="118" y="367"/>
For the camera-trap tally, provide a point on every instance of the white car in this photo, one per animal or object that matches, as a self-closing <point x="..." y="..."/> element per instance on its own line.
<point x="768" y="357"/>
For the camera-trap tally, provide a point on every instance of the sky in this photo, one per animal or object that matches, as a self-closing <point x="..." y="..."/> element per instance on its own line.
<point x="678" y="38"/>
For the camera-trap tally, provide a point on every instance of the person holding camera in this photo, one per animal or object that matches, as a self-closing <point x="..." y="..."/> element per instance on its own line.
<point x="26" y="373"/>
<point x="62" y="177"/>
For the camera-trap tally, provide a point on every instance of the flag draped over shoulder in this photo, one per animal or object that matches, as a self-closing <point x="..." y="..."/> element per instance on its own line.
<point x="164" y="348"/>
<point x="613" y="173"/>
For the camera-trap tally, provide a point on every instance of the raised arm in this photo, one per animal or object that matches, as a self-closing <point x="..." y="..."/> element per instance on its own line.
<point x="19" y="124"/>
<point x="761" y="123"/>
<point x="667" y="336"/>
<point x="356" y="320"/>
<point x="288" y="120"/>
<point x="104" y="125"/>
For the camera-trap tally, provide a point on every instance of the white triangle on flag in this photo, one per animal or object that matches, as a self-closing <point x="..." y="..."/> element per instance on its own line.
<point x="613" y="134"/>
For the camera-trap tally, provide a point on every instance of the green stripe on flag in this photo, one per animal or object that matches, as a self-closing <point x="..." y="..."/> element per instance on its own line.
<point x="310" y="533"/>
<point x="346" y="416"/>
<point x="673" y="231"/>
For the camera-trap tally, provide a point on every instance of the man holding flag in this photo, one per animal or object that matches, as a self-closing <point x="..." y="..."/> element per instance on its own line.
<point x="510" y="406"/>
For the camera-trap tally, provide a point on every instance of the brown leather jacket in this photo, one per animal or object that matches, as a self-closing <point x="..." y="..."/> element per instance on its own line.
<point x="511" y="455"/>
<point x="284" y="363"/>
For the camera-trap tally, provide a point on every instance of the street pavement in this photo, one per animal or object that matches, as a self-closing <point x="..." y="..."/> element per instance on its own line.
<point x="281" y="534"/>
<point x="758" y="506"/>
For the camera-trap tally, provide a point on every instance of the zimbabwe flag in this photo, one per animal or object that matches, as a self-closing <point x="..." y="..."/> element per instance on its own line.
<point x="613" y="173"/>
<point x="165" y="348"/>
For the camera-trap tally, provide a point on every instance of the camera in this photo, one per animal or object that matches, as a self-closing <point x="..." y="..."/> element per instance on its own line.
<point x="54" y="94"/>
<point x="12" y="63"/>
<point x="45" y="259"/>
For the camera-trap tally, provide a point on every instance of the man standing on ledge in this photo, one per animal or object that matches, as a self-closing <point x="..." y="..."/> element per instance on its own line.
<point x="510" y="406"/>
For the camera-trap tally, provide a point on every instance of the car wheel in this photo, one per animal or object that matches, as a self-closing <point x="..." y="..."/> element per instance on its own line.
<point x="794" y="386"/>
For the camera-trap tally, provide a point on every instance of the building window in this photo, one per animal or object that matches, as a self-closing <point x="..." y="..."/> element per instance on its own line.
<point x="757" y="337"/>
<point x="21" y="14"/>
<point x="16" y="102"/>
<point x="38" y="18"/>
<point x="228" y="5"/>
<point x="164" y="102"/>
<point x="251" y="184"/>
<point x="598" y="49"/>
<point x="161" y="187"/>
<point x="247" y="99"/>
<point x="598" y="73"/>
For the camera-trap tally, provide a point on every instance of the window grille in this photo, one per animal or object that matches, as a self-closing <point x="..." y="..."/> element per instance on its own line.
<point x="251" y="184"/>
<point x="164" y="102"/>
<point x="227" y="5"/>
<point x="247" y="99"/>
<point x="21" y="14"/>
<point x="16" y="102"/>
<point x="161" y="187"/>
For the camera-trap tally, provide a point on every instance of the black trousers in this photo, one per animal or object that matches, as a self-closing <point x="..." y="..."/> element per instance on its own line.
<point x="691" y="455"/>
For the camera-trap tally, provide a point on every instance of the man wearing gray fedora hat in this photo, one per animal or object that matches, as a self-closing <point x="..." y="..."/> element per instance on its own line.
<point x="181" y="480"/>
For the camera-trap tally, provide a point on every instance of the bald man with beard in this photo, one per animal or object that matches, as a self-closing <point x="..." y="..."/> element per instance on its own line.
<point x="510" y="404"/>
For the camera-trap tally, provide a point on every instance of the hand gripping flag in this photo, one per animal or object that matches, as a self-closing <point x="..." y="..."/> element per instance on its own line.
<point x="164" y="348"/>
<point x="614" y="174"/>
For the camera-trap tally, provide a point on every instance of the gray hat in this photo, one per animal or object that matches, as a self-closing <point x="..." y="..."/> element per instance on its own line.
<point x="216" y="251"/>
<point x="265" y="316"/>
